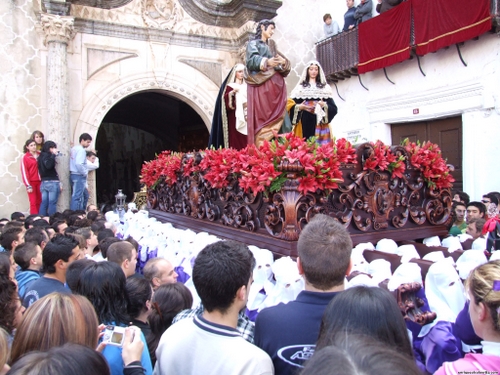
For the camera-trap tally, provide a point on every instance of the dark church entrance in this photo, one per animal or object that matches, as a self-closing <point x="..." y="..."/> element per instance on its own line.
<point x="135" y="130"/>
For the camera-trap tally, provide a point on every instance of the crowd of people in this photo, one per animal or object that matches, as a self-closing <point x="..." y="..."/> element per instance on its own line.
<point x="196" y="304"/>
<point x="356" y="15"/>
<point x="39" y="173"/>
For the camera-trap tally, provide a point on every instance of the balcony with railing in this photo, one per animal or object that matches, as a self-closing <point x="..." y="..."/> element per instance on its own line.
<point x="412" y="29"/>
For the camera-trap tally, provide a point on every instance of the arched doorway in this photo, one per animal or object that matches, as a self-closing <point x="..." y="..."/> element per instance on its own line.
<point x="137" y="128"/>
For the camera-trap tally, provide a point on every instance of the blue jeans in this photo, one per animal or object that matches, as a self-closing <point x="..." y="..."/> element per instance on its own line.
<point x="78" y="183"/>
<point x="50" y="193"/>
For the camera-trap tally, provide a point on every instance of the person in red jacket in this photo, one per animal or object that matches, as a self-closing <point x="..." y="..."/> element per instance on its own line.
<point x="30" y="176"/>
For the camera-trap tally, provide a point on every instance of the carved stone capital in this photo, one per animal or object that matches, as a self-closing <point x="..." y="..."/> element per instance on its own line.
<point x="57" y="28"/>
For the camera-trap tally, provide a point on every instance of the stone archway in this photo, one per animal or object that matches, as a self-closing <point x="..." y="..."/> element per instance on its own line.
<point x="194" y="94"/>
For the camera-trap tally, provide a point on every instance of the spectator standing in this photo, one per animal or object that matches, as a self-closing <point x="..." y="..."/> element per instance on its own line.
<point x="78" y="171"/>
<point x="59" y="253"/>
<point x="475" y="210"/>
<point x="209" y="343"/>
<point x="349" y="21"/>
<point x="168" y="301"/>
<point x="30" y="176"/>
<point x="39" y="139"/>
<point x="159" y="271"/>
<point x="50" y="187"/>
<point x="28" y="256"/>
<point x="385" y="5"/>
<point x="92" y="165"/>
<point x="363" y="11"/>
<point x="288" y="332"/>
<point x="330" y="26"/>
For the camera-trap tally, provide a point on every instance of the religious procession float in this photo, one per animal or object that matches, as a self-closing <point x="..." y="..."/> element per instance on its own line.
<point x="266" y="195"/>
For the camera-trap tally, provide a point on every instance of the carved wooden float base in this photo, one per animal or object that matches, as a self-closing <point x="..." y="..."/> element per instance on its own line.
<point x="287" y="248"/>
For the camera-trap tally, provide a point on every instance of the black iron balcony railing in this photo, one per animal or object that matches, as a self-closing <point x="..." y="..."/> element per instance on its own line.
<point x="339" y="55"/>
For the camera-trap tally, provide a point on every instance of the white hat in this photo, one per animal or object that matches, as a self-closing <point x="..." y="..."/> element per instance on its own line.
<point x="380" y="269"/>
<point x="432" y="241"/>
<point x="444" y="290"/>
<point x="452" y="243"/>
<point x="405" y="273"/>
<point x="495" y="255"/>
<point x="407" y="253"/>
<point x="387" y="246"/>
<point x="479" y="244"/>
<point x="464" y="237"/>
<point x="434" y="256"/>
<point x="469" y="260"/>
<point x="361" y="279"/>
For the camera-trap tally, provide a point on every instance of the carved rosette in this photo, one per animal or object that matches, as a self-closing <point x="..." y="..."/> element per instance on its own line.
<point x="161" y="14"/>
<point x="56" y="28"/>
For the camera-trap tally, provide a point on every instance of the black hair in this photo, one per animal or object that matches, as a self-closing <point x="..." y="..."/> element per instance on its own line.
<point x="74" y="271"/>
<point x="30" y="220"/>
<point x="479" y="205"/>
<point x="70" y="358"/>
<point x="48" y="145"/>
<point x="36" y="234"/>
<point x="56" y="216"/>
<point x="266" y="23"/>
<point x="104" y="233"/>
<point x="168" y="301"/>
<point x="358" y="354"/>
<point x="133" y="242"/>
<point x="8" y="296"/>
<point x="24" y="253"/>
<point x="91" y="153"/>
<point x="365" y="310"/>
<point x="105" y="243"/>
<point x="92" y="215"/>
<point x="85" y="137"/>
<point x="8" y="236"/>
<point x="103" y="283"/>
<point x="27" y="143"/>
<point x="219" y="270"/>
<point x="139" y="291"/>
<point x="5" y="264"/>
<point x="97" y="226"/>
<point x="41" y="223"/>
<point x="464" y="197"/>
<point x="19" y="216"/>
<point x="59" y="247"/>
<point x="319" y="84"/>
<point x="492" y="197"/>
<point x="56" y="224"/>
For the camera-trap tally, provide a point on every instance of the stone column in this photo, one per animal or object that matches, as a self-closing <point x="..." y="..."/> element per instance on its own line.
<point x="58" y="32"/>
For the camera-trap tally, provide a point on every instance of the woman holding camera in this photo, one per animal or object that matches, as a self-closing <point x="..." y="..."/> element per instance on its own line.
<point x="50" y="187"/>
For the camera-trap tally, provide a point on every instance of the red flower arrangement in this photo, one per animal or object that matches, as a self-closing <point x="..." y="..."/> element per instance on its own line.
<point x="427" y="158"/>
<point x="258" y="169"/>
<point x="383" y="159"/>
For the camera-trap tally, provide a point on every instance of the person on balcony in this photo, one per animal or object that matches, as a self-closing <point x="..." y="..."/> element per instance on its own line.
<point x="229" y="124"/>
<point x="349" y="21"/>
<point x="311" y="107"/>
<point x="385" y="5"/>
<point x="266" y="90"/>
<point x="363" y="11"/>
<point x="330" y="27"/>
